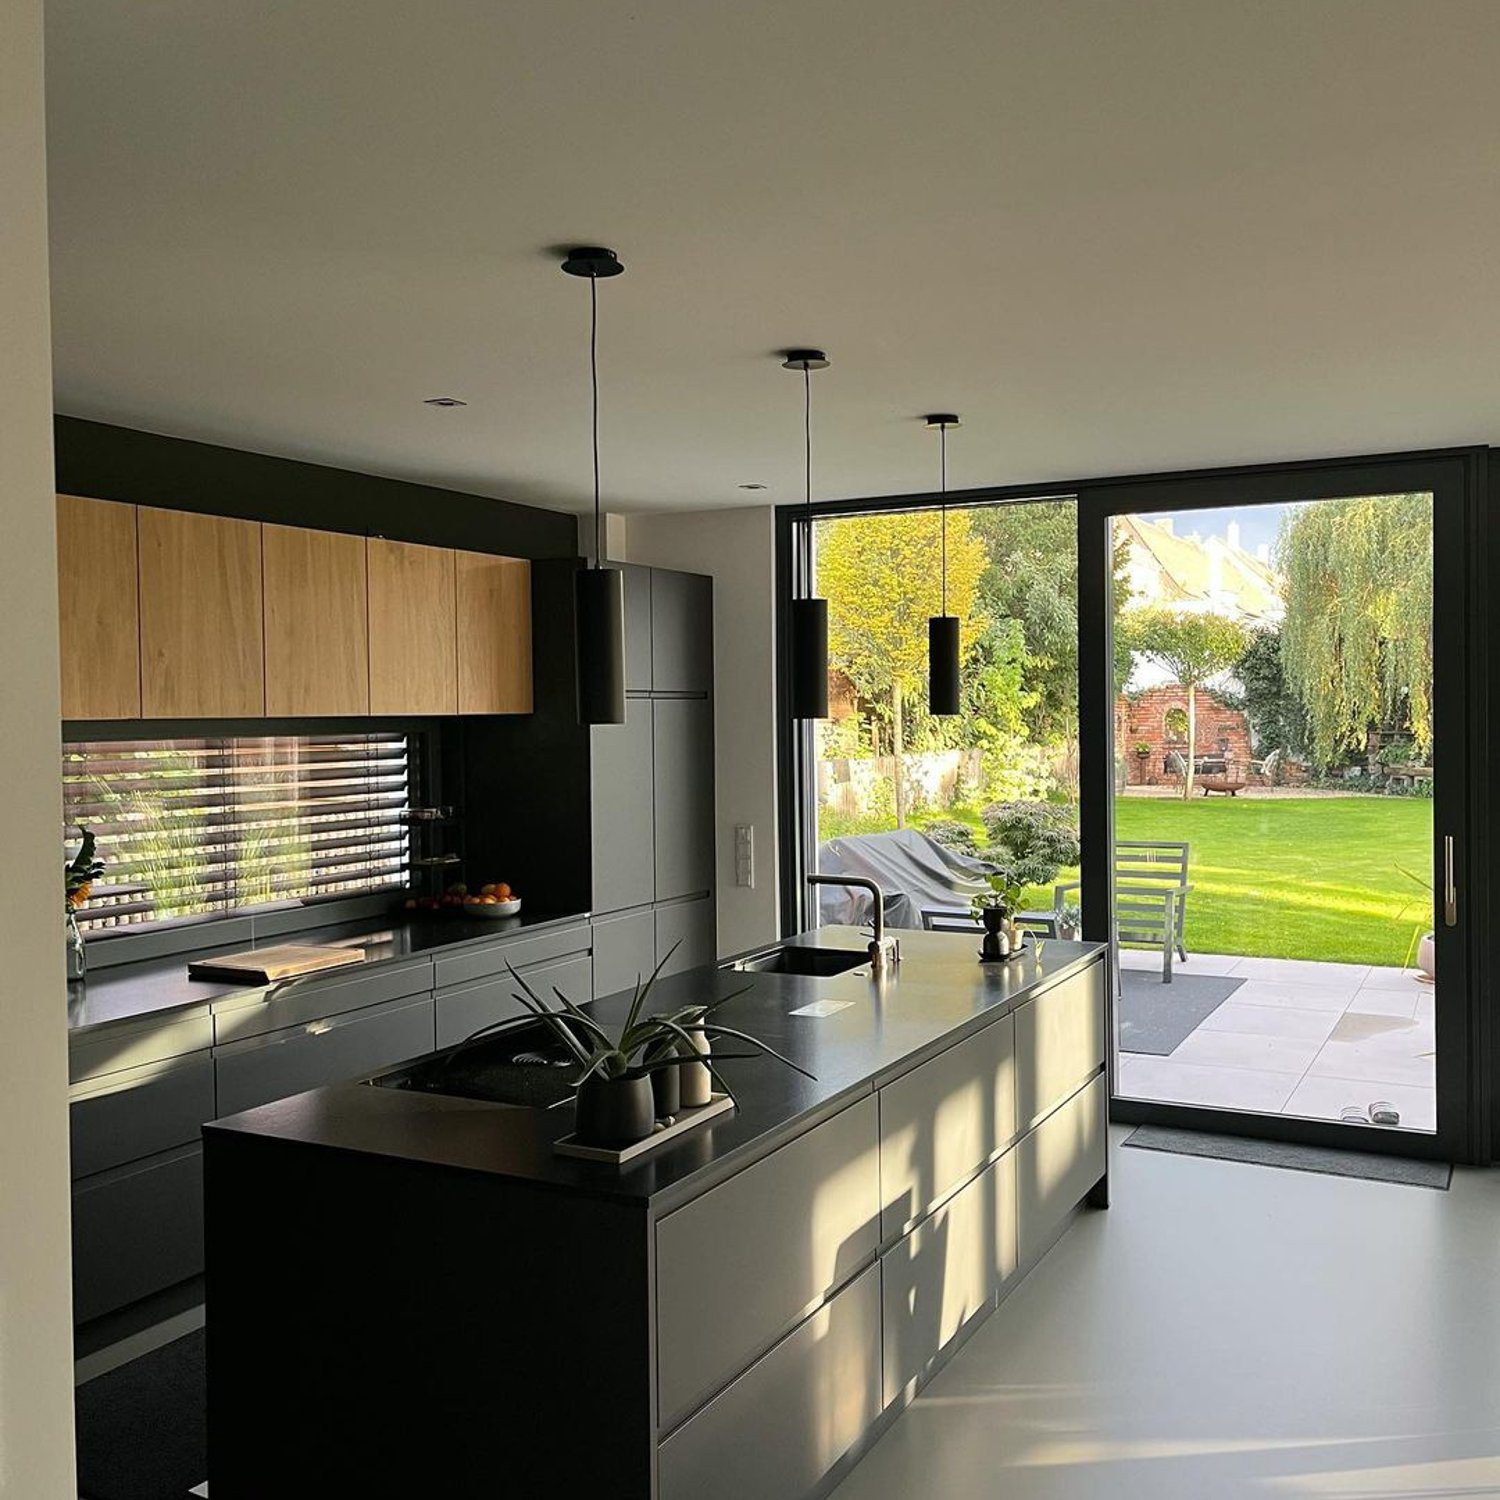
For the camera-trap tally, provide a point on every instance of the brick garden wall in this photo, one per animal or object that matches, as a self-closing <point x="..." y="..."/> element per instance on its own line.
<point x="1141" y="719"/>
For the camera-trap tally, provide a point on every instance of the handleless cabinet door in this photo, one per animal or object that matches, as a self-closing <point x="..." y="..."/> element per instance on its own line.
<point x="317" y="626"/>
<point x="624" y="831"/>
<point x="624" y="950"/>
<point x="941" y="1122"/>
<point x="1056" y="1164"/>
<point x="686" y="930"/>
<point x="202" y="650"/>
<point x="1059" y="1043"/>
<point x="98" y="609"/>
<point x="494" y="634"/>
<point x="637" y="584"/>
<point x="682" y="632"/>
<point x="413" y="629"/>
<point x="739" y="1266"/>
<point x="779" y="1430"/>
<point x="684" y="781"/>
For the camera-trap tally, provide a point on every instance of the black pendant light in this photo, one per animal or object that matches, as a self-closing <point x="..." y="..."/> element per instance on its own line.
<point x="598" y="592"/>
<point x="943" y="685"/>
<point x="809" y="616"/>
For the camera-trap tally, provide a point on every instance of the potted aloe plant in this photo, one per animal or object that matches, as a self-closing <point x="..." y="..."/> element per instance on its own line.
<point x="615" y="1103"/>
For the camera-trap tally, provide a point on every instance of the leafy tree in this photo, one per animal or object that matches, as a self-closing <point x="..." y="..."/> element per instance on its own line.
<point x="1032" y="577"/>
<point x="1032" y="841"/>
<point x="1277" y="718"/>
<point x="881" y="577"/>
<point x="1193" y="648"/>
<point x="1356" y="644"/>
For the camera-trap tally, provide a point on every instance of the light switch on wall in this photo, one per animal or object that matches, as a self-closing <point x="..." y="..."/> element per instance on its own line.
<point x="744" y="854"/>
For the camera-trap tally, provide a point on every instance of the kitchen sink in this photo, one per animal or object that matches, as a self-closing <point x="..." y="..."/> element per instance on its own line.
<point x="818" y="963"/>
<point x="527" y="1066"/>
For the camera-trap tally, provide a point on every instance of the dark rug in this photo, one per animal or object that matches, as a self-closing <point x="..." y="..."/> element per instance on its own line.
<point x="1157" y="1018"/>
<point x="143" y="1429"/>
<point x="1427" y="1174"/>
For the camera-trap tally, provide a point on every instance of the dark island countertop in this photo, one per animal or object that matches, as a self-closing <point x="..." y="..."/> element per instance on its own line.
<point x="938" y="994"/>
<point x="158" y="987"/>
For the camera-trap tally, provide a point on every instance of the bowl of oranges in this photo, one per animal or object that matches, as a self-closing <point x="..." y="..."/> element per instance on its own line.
<point x="493" y="900"/>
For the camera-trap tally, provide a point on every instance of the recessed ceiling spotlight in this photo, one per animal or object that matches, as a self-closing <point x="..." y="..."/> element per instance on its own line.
<point x="443" y="401"/>
<point x="752" y="486"/>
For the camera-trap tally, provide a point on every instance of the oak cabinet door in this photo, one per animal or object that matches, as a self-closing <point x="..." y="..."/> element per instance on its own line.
<point x="317" y="644"/>
<point x="202" y="652"/>
<point x="98" y="609"/>
<point x="413" y="619"/>
<point x="494" y="634"/>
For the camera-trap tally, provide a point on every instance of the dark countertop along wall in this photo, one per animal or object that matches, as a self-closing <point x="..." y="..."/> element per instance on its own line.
<point x="937" y="995"/>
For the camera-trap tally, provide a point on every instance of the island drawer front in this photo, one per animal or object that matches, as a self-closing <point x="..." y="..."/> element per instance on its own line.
<point x="778" y="1430"/>
<point x="1059" y="1042"/>
<point x="137" y="1112"/>
<point x="945" y="1273"/>
<point x="316" y="998"/>
<point x="1056" y="1164"/>
<point x="464" y="1009"/>
<point x="940" y="1123"/>
<point x="731" y="1277"/>
<point x="332" y="1050"/>
<point x="492" y="958"/>
<point x="137" y="1230"/>
<point x="132" y="1044"/>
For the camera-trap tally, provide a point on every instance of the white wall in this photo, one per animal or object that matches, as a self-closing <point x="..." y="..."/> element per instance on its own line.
<point x="36" y="1323"/>
<point x="738" y="548"/>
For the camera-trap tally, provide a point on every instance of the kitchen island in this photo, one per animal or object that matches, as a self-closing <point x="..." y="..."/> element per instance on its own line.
<point x="410" y="1292"/>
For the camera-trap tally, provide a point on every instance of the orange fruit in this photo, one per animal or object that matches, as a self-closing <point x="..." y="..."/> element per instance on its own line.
<point x="503" y="891"/>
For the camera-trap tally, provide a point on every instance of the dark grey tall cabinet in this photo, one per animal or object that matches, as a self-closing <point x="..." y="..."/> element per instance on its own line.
<point x="652" y="787"/>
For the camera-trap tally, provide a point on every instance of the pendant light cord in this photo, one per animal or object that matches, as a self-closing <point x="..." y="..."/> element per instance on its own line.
<point x="943" y="450"/>
<point x="807" y="435"/>
<point x="594" y="383"/>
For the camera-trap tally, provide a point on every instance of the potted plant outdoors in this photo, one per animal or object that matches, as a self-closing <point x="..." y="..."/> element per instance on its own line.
<point x="1070" y="921"/>
<point x="1423" y="942"/>
<point x="615" y="1104"/>
<point x="79" y="875"/>
<point x="1032" y="842"/>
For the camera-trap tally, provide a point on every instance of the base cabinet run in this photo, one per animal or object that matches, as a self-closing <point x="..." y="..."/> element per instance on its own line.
<point x="932" y="1173"/>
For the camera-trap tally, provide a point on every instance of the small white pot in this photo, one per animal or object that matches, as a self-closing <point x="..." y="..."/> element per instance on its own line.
<point x="1427" y="955"/>
<point x="697" y="1081"/>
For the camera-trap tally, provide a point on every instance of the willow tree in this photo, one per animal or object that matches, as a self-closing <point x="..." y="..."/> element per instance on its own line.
<point x="1356" y="644"/>
<point x="882" y="579"/>
<point x="1193" y="648"/>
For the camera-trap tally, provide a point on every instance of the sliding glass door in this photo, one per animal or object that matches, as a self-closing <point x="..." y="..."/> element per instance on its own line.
<point x="1274" y="719"/>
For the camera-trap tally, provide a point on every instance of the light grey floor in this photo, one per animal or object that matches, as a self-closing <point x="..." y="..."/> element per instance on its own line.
<point x="1226" y="1331"/>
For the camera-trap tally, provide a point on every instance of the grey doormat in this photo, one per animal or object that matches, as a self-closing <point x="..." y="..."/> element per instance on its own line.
<point x="1402" y="1169"/>
<point x="143" y="1429"/>
<point x="1157" y="1018"/>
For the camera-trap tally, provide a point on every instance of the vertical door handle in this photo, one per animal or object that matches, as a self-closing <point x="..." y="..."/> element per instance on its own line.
<point x="1450" y="886"/>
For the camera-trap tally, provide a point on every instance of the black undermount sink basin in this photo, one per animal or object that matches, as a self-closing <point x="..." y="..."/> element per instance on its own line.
<point x="818" y="963"/>
<point x="526" y="1066"/>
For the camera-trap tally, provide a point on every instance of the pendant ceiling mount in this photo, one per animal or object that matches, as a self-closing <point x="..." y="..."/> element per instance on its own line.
<point x="804" y="359"/>
<point x="593" y="261"/>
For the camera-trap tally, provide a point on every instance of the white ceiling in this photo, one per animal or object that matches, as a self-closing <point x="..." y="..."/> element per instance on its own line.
<point x="1114" y="236"/>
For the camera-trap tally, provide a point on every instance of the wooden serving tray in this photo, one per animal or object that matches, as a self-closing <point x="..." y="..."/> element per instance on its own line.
<point x="269" y="965"/>
<point x="684" y="1121"/>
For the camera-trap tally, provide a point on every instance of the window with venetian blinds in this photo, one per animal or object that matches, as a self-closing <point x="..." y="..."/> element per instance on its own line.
<point x="191" y="827"/>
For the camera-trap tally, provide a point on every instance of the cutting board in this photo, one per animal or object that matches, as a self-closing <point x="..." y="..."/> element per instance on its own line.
<point x="269" y="965"/>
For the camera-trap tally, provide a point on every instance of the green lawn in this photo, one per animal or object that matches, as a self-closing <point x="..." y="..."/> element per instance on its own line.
<point x="1312" y="877"/>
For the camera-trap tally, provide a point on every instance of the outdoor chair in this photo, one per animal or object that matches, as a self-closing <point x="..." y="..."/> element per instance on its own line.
<point x="958" y="919"/>
<point x="1151" y="891"/>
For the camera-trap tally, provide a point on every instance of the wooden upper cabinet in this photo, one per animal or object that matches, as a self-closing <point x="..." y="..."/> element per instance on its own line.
<point x="494" y="634"/>
<point x="316" y="621"/>
<point x="202" y="652"/>
<point x="99" y="609"/>
<point x="413" y="619"/>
